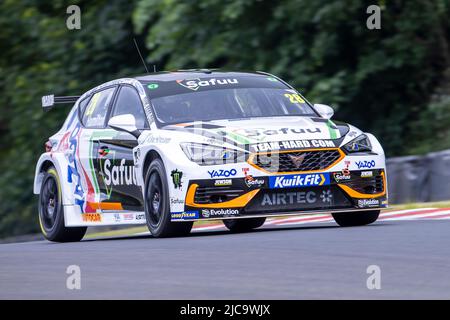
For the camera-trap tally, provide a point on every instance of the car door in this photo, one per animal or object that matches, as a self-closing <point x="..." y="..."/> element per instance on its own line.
<point x="93" y="128"/>
<point x="115" y="158"/>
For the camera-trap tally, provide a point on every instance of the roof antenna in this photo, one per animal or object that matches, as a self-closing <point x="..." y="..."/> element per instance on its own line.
<point x="140" y="55"/>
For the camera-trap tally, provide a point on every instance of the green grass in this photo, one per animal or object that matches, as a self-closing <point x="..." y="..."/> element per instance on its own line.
<point x="440" y="204"/>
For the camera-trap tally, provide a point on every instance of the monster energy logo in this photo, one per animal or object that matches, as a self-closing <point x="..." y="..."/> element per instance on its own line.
<point x="176" y="178"/>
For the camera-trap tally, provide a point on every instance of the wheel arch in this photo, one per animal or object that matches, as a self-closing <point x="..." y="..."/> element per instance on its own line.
<point x="149" y="157"/>
<point x="43" y="165"/>
<point x="46" y="161"/>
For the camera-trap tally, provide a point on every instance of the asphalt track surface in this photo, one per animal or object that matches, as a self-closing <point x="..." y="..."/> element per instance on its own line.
<point x="315" y="260"/>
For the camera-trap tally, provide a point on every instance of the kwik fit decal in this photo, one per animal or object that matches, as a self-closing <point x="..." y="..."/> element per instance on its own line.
<point x="299" y="180"/>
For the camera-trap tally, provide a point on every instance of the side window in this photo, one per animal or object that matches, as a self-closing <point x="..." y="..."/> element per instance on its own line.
<point x="129" y="102"/>
<point x="82" y="106"/>
<point x="95" y="113"/>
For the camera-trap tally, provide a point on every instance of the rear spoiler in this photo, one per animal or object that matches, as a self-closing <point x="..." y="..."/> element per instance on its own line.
<point x="49" y="101"/>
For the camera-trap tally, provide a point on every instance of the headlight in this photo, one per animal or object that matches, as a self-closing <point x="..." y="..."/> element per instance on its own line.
<point x="204" y="154"/>
<point x="359" y="144"/>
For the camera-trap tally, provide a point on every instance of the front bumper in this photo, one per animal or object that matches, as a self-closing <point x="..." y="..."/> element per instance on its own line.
<point x="279" y="195"/>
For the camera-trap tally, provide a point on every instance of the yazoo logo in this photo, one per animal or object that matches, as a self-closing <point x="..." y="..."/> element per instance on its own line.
<point x="299" y="180"/>
<point x="365" y="164"/>
<point x="222" y="173"/>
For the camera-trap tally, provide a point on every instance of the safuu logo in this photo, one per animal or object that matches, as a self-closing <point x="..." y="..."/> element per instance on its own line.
<point x="299" y="180"/>
<point x="119" y="175"/>
<point x="222" y="173"/>
<point x="365" y="164"/>
<point x="194" y="84"/>
<point x="340" y="176"/>
<point x="270" y="132"/>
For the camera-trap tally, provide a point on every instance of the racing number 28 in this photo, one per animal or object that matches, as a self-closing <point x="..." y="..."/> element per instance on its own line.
<point x="294" y="98"/>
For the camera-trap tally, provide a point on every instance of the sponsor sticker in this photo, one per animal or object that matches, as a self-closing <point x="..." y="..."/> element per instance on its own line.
<point x="257" y="132"/>
<point x="176" y="178"/>
<point x="277" y="199"/>
<point x="251" y="181"/>
<point x="92" y="217"/>
<point x="206" y="213"/>
<point x="368" y="203"/>
<point x="297" y="198"/>
<point x="128" y="216"/>
<point x="176" y="201"/>
<point x="292" y="144"/>
<point x="299" y="180"/>
<point x="158" y="139"/>
<point x="185" y="215"/>
<point x="366" y="174"/>
<point x="140" y="216"/>
<point x="365" y="164"/>
<point x="223" y="182"/>
<point x="118" y="175"/>
<point x="153" y="86"/>
<point x="342" y="176"/>
<point x="222" y="173"/>
<point x="195" y="84"/>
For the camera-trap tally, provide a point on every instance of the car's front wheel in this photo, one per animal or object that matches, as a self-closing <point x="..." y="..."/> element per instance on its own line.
<point x="243" y="225"/>
<point x="353" y="219"/>
<point x="157" y="208"/>
<point x="51" y="211"/>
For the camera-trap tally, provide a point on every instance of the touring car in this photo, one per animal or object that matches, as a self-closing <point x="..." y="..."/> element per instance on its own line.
<point x="170" y="148"/>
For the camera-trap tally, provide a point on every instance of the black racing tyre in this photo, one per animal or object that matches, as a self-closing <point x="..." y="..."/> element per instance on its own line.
<point x="156" y="203"/>
<point x="353" y="219"/>
<point x="51" y="211"/>
<point x="243" y="225"/>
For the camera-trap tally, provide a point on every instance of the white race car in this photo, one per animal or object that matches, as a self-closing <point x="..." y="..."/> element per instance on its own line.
<point x="171" y="148"/>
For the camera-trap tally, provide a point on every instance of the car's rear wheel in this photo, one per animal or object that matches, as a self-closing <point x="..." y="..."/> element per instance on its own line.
<point x="51" y="211"/>
<point x="353" y="219"/>
<point x="157" y="208"/>
<point x="243" y="225"/>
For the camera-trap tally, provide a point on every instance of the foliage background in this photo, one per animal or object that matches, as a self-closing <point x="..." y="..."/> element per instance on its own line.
<point x="394" y="82"/>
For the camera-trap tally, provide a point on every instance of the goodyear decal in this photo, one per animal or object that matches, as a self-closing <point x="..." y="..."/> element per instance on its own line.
<point x="299" y="180"/>
<point x="188" y="215"/>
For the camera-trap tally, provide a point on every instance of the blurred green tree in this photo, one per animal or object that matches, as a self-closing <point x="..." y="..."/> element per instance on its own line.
<point x="379" y="80"/>
<point x="39" y="56"/>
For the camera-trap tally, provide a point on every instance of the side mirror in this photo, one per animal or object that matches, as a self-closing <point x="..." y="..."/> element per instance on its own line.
<point x="325" y="111"/>
<point x="126" y="123"/>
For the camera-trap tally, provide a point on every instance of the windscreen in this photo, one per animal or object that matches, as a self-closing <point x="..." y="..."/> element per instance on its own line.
<point x="224" y="99"/>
